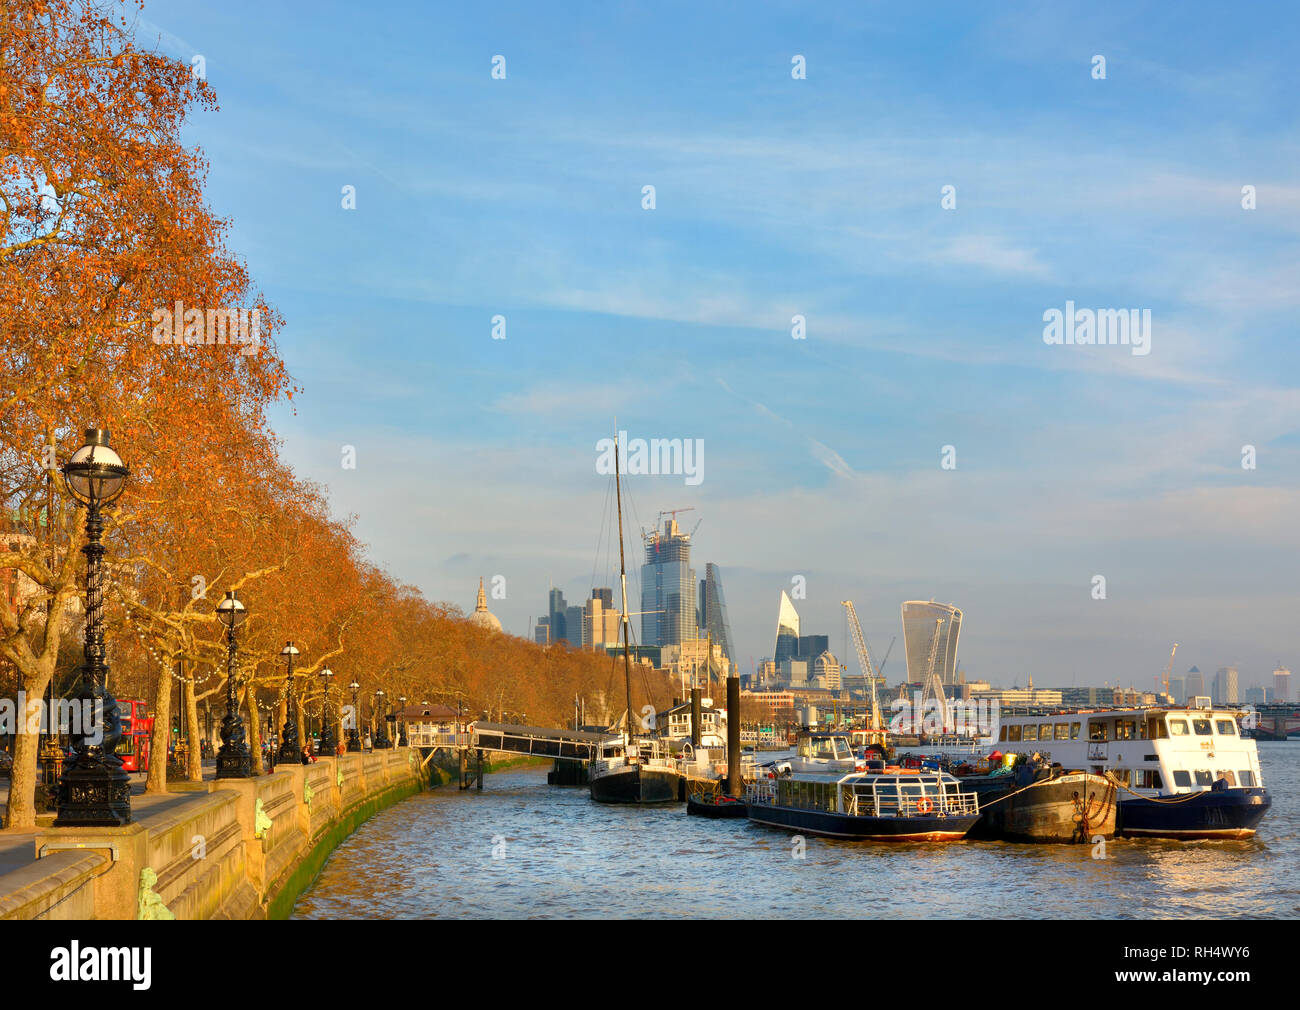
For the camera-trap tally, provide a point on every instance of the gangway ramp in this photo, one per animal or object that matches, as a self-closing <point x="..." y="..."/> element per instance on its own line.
<point x="540" y="741"/>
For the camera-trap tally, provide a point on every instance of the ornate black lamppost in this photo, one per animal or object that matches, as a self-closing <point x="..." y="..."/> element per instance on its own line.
<point x="233" y="759"/>
<point x="354" y="731"/>
<point x="401" y="724"/>
<point x="95" y="791"/>
<point x="328" y="742"/>
<point x="290" y="744"/>
<point x="381" y="717"/>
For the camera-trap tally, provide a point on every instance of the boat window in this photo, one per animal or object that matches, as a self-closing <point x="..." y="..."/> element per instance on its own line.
<point x="1204" y="777"/>
<point x="1227" y="776"/>
<point x="1177" y="727"/>
<point x="1074" y="731"/>
<point x="1013" y="734"/>
<point x="1248" y="779"/>
<point x="1030" y="733"/>
<point x="1201" y="727"/>
<point x="1148" y="778"/>
<point x="1123" y="775"/>
<point x="1158" y="729"/>
<point x="1124" y="729"/>
<point x="1226" y="727"/>
<point x="1183" y="778"/>
<point x="1142" y="729"/>
<point x="1063" y="731"/>
<point x="1097" y="732"/>
<point x="1002" y="735"/>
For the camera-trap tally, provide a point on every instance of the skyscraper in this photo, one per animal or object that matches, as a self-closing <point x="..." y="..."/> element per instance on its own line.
<point x="1225" y="686"/>
<point x="668" y="588"/>
<point x="812" y="646"/>
<point x="1281" y="684"/>
<point x="556" y="609"/>
<point x="600" y="621"/>
<point x="714" y="608"/>
<point x="919" y="618"/>
<point x="573" y="627"/>
<point x="787" y="631"/>
<point x="1193" y="684"/>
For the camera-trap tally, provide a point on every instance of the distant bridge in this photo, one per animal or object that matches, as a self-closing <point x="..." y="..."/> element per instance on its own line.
<point x="1275" y="721"/>
<point x="538" y="741"/>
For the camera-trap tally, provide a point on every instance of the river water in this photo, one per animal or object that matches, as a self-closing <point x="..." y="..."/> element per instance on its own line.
<point x="523" y="849"/>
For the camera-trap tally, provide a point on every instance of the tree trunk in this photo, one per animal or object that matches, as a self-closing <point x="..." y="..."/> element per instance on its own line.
<point x="21" y="811"/>
<point x="254" y="734"/>
<point x="158" y="741"/>
<point x="194" y="762"/>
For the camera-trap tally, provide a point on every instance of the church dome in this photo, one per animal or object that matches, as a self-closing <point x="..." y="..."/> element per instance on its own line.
<point x="482" y="617"/>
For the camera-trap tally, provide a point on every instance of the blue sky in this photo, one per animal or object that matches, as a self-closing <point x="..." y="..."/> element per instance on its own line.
<point x="775" y="197"/>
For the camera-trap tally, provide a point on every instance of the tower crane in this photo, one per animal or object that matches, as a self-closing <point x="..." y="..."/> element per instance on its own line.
<point x="933" y="687"/>
<point x="877" y="728"/>
<point x="1170" y="669"/>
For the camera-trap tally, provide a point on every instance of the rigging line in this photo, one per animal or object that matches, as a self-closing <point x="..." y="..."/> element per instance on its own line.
<point x="600" y="538"/>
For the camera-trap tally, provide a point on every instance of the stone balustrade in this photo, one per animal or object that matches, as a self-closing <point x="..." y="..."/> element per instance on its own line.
<point x="225" y="849"/>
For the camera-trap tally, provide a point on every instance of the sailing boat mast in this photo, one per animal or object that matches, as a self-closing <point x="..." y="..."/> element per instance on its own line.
<point x="622" y="577"/>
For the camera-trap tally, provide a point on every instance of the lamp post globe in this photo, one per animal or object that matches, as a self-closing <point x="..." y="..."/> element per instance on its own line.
<point x="95" y="791"/>
<point x="233" y="759"/>
<point x="354" y="731"/>
<point x="328" y="742"/>
<point x="381" y="717"/>
<point x="290" y="742"/>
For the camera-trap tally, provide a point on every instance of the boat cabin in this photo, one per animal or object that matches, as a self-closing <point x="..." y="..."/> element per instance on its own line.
<point x="1155" y="751"/>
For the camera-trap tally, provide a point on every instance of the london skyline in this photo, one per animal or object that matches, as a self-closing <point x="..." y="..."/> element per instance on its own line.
<point x="1167" y="185"/>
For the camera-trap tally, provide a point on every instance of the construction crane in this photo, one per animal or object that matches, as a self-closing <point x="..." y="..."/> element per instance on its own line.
<point x="877" y="734"/>
<point x="881" y="671"/>
<point x="933" y="687"/>
<point x="1170" y="669"/>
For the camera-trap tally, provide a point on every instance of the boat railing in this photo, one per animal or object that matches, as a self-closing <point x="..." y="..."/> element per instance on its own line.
<point x="868" y="805"/>
<point x="760" y="791"/>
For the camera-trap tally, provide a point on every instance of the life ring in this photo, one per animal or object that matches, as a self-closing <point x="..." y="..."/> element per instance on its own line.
<point x="924" y="805"/>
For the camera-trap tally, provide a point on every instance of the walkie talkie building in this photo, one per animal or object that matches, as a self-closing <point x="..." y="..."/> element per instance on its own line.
<point x="919" y="618"/>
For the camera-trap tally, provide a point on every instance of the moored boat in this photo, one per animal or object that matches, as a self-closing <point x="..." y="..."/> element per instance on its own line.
<point x="634" y="768"/>
<point x="888" y="806"/>
<point x="1184" y="773"/>
<point x="649" y="777"/>
<point x="716" y="805"/>
<point x="1040" y="804"/>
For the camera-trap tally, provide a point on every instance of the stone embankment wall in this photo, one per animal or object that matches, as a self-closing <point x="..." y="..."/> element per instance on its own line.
<point x="229" y="849"/>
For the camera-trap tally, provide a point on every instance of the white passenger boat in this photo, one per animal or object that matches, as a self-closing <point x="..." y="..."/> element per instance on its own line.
<point x="1182" y="772"/>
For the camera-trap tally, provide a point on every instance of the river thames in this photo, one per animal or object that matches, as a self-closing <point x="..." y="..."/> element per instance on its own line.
<point x="523" y="849"/>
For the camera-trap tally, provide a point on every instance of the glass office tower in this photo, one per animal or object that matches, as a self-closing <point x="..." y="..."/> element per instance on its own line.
<point x="919" y="618"/>
<point x="668" y="588"/>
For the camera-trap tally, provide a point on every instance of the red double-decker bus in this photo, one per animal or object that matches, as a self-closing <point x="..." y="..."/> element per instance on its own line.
<point x="137" y="728"/>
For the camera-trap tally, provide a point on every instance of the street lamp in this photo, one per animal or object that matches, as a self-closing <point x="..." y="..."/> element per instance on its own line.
<point x="290" y="744"/>
<point x="95" y="791"/>
<point x="328" y="743"/>
<point x="401" y="723"/>
<point x="233" y="760"/>
<point x="381" y="732"/>
<point x="354" y="731"/>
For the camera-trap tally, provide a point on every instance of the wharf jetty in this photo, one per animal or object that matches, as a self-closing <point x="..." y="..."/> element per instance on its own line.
<point x="217" y="849"/>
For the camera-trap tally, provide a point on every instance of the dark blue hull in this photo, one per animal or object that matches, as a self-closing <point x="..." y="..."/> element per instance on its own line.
<point x="1222" y="813"/>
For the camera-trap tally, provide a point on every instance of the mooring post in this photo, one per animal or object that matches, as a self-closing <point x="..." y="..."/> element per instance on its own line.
<point x="734" y="782"/>
<point x="464" y="768"/>
<point x="480" y="768"/>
